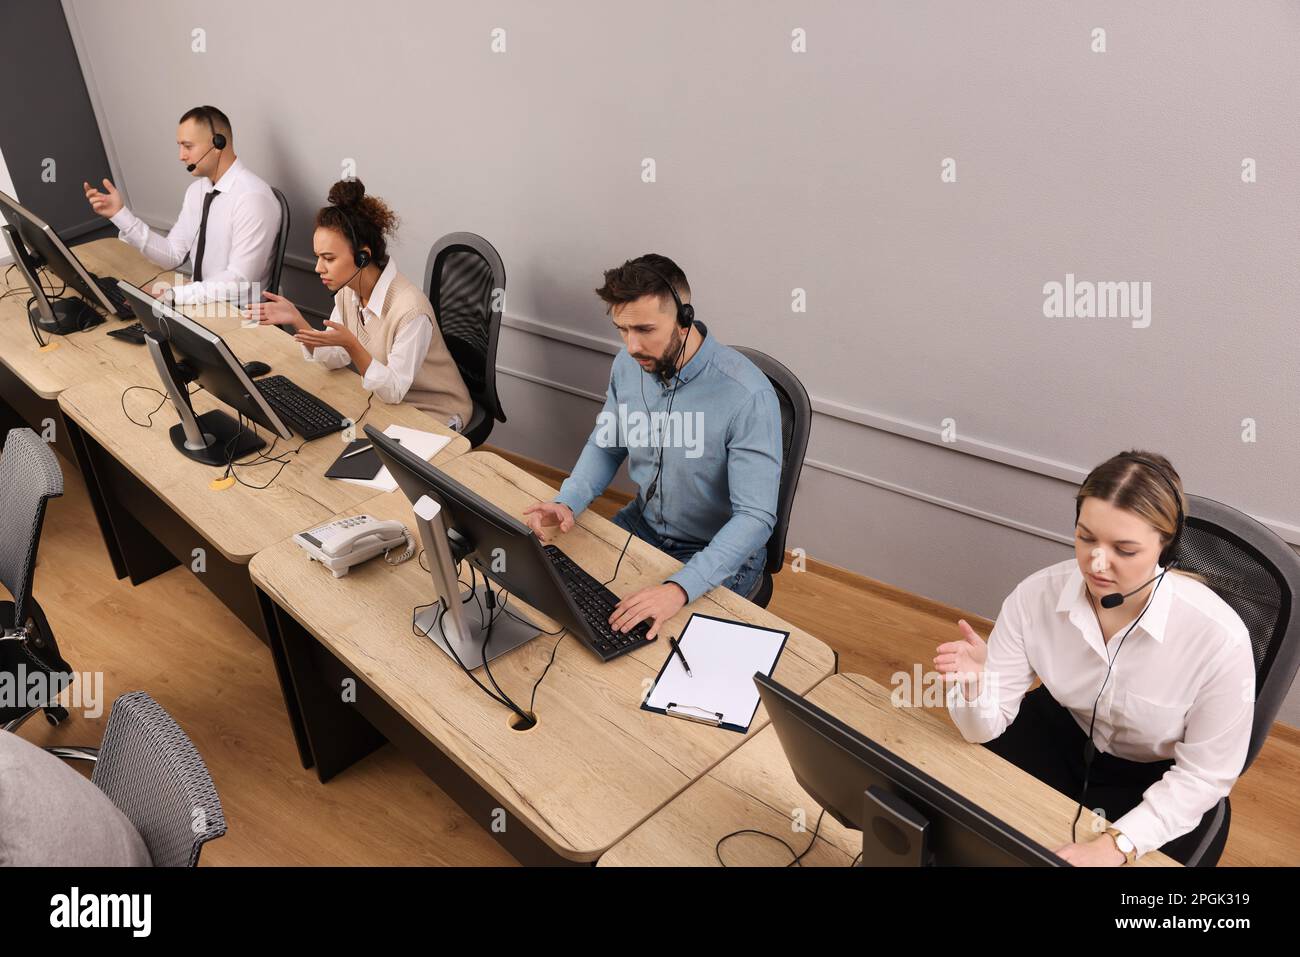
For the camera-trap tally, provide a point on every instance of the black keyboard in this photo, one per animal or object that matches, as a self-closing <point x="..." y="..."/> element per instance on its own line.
<point x="132" y="333"/>
<point x="596" y="602"/>
<point x="121" y="306"/>
<point x="301" y="411"/>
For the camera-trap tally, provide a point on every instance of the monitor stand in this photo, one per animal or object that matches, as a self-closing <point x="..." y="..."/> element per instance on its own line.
<point x="894" y="834"/>
<point x="213" y="438"/>
<point x="58" y="317"/>
<point x="461" y="632"/>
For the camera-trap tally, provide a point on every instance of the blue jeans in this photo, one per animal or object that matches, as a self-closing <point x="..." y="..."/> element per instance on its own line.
<point x="744" y="582"/>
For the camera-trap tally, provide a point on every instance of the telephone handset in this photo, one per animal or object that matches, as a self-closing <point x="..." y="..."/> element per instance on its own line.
<point x="340" y="544"/>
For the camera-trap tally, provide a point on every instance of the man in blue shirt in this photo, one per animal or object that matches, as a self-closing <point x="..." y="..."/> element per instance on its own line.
<point x="700" y="427"/>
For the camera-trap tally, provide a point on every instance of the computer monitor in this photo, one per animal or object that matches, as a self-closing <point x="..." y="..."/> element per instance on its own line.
<point x="907" y="818"/>
<point x="34" y="244"/>
<point x="456" y="525"/>
<point x="185" y="351"/>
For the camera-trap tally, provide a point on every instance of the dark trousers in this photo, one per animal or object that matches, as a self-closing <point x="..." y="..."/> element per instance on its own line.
<point x="1045" y="741"/>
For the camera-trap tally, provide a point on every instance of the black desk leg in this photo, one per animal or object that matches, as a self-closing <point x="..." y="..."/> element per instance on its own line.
<point x="77" y="442"/>
<point x="330" y="733"/>
<point x="335" y="733"/>
<point x="142" y="555"/>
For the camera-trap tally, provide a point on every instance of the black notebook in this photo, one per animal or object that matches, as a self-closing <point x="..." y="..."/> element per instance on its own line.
<point x="365" y="465"/>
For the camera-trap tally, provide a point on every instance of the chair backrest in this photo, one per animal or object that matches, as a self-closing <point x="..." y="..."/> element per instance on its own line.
<point x="29" y="477"/>
<point x="281" y="243"/>
<point x="149" y="768"/>
<point x="796" y="424"/>
<point x="1258" y="574"/>
<point x="466" y="283"/>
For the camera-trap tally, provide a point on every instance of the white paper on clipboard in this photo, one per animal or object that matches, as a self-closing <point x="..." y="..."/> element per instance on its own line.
<point x="424" y="444"/>
<point x="723" y="656"/>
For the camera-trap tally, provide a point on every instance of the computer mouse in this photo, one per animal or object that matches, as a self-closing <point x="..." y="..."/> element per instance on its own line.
<point x="255" y="369"/>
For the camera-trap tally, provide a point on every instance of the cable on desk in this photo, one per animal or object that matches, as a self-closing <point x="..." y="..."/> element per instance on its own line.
<point x="258" y="458"/>
<point x="796" y="857"/>
<point x="357" y="421"/>
<point x="554" y="648"/>
<point x="450" y="647"/>
<point x="148" y="423"/>
<point x="605" y="584"/>
<point x="490" y="600"/>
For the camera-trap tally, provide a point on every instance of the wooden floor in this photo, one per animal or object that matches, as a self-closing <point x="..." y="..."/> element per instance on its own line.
<point x="170" y="637"/>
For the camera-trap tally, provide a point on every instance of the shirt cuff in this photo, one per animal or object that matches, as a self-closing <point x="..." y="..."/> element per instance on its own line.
<point x="1144" y="828"/>
<point x="692" y="582"/>
<point x="379" y="379"/>
<point x="573" y="500"/>
<point x="189" y="293"/>
<point x="974" y="719"/>
<point x="124" y="219"/>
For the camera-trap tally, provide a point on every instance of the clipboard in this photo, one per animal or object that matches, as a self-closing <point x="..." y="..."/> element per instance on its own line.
<point x="724" y="656"/>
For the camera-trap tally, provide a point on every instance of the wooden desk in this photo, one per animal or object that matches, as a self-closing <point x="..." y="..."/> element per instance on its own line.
<point x="31" y="379"/>
<point x="593" y="767"/>
<point x="755" y="788"/>
<point x="156" y="506"/>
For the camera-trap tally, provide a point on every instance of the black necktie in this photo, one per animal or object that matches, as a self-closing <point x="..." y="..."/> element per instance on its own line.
<point x="203" y="234"/>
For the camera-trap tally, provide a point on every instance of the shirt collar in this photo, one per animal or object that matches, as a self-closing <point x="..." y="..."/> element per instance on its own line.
<point x="1074" y="601"/>
<point x="703" y="356"/>
<point x="227" y="181"/>
<point x="377" y="295"/>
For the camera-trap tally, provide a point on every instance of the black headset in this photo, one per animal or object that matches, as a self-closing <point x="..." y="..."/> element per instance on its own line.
<point x="360" y="257"/>
<point x="685" y="311"/>
<point x="685" y="319"/>
<point x="1169" y="553"/>
<point x="218" y="142"/>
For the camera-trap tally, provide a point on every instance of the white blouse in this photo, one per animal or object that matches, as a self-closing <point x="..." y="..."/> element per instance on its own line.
<point x="1182" y="688"/>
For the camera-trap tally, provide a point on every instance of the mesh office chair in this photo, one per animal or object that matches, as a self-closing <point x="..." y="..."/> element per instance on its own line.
<point x="466" y="283"/>
<point x="796" y="424"/>
<point x="1258" y="574"/>
<point x="281" y="245"/>
<point x="149" y="768"/>
<point x="29" y="477"/>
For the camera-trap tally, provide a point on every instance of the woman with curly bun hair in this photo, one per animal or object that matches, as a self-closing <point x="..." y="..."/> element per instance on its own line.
<point x="382" y="323"/>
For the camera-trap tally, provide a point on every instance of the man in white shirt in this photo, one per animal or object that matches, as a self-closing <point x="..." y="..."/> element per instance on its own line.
<point x="228" y="223"/>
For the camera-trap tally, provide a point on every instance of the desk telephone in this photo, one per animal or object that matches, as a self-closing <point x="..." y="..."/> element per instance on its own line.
<point x="340" y="544"/>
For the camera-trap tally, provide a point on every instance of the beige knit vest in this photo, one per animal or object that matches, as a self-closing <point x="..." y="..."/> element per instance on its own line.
<point x="437" y="387"/>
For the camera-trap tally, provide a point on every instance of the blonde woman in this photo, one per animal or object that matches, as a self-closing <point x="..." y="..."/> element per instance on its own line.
<point x="1169" y="717"/>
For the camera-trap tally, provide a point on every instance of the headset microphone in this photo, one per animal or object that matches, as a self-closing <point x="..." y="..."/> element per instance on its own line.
<point x="218" y="143"/>
<point x="1115" y="599"/>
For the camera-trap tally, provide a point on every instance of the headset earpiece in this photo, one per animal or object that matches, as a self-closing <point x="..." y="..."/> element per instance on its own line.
<point x="219" y="140"/>
<point x="1170" y="551"/>
<point x="362" y="258"/>
<point x="685" y="311"/>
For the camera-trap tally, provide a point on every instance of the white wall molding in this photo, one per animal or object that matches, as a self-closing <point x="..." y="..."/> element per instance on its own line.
<point x="988" y="451"/>
<point x="1025" y="461"/>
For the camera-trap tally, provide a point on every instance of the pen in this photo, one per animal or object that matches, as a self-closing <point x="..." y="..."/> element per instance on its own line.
<point x="678" y="648"/>
<point x="365" y="448"/>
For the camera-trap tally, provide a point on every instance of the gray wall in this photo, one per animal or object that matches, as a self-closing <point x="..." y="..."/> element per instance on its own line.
<point x="817" y="170"/>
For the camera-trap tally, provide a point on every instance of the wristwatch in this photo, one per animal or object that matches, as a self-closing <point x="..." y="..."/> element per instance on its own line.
<point x="1126" y="846"/>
